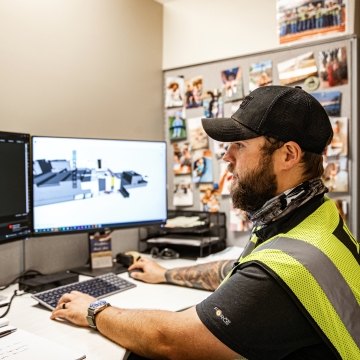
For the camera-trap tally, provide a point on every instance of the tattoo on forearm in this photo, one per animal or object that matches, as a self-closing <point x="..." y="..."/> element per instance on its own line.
<point x="204" y="276"/>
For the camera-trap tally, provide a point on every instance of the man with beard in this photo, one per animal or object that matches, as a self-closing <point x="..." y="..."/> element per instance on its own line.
<point x="294" y="293"/>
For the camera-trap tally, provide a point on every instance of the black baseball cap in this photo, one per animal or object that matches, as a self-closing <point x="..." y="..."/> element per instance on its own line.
<point x="281" y="112"/>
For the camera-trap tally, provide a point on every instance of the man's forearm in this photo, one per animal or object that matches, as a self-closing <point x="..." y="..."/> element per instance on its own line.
<point x="203" y="276"/>
<point x="159" y="334"/>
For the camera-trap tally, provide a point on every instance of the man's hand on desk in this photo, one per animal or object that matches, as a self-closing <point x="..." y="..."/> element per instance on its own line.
<point x="148" y="271"/>
<point x="73" y="307"/>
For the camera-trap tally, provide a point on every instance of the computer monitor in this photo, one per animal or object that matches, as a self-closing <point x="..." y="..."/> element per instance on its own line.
<point x="15" y="187"/>
<point x="89" y="185"/>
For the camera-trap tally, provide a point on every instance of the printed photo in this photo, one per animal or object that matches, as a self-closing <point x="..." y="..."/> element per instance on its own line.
<point x="330" y="100"/>
<point x="333" y="67"/>
<point x="209" y="198"/>
<point x="174" y="92"/>
<point x="238" y="220"/>
<point x="260" y="74"/>
<point x="232" y="84"/>
<point x="343" y="207"/>
<point x="213" y="104"/>
<point x="182" y="160"/>
<point x="336" y="175"/>
<point x="297" y="69"/>
<point x="194" y="92"/>
<point x="303" y="19"/>
<point x="225" y="179"/>
<point x="339" y="142"/>
<point x="197" y="136"/>
<point x="202" y="169"/>
<point x="219" y="149"/>
<point x="183" y="194"/>
<point x="177" y="126"/>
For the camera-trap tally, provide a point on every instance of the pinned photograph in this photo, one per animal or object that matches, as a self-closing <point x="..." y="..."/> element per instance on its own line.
<point x="232" y="80"/>
<point x="177" y="125"/>
<point x="260" y="74"/>
<point x="213" y="104"/>
<point x="174" y="92"/>
<point x="343" y="207"/>
<point x="336" y="175"/>
<point x="219" y="149"/>
<point x="333" y="67"/>
<point x="303" y="19"/>
<point x="225" y="179"/>
<point x="182" y="160"/>
<point x="197" y="136"/>
<point x="297" y="69"/>
<point x="194" y="92"/>
<point x="209" y="198"/>
<point x="202" y="168"/>
<point x="183" y="194"/>
<point x="330" y="100"/>
<point x="339" y="142"/>
<point x="238" y="220"/>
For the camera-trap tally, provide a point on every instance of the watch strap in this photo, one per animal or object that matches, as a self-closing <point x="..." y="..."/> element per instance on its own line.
<point x="93" y="311"/>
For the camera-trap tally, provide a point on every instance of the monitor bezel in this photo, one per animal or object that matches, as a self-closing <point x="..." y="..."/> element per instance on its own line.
<point x="111" y="227"/>
<point x="22" y="236"/>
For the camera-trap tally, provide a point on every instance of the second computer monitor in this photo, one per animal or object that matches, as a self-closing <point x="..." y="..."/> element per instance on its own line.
<point x="95" y="184"/>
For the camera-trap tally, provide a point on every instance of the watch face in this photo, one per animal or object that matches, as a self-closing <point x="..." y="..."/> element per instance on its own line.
<point x="98" y="303"/>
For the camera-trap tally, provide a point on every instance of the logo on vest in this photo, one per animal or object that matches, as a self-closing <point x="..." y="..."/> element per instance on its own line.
<point x="220" y="315"/>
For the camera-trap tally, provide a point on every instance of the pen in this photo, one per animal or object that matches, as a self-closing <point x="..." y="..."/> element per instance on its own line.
<point x="7" y="332"/>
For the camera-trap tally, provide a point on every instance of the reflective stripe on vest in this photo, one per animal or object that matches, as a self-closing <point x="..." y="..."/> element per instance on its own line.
<point x="311" y="267"/>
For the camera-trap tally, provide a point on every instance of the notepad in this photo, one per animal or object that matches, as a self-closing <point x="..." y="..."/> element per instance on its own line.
<point x="23" y="345"/>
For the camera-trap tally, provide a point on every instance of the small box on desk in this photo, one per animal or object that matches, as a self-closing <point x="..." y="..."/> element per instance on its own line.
<point x="40" y="283"/>
<point x="191" y="234"/>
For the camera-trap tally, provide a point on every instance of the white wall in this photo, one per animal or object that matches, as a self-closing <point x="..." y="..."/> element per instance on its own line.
<point x="197" y="31"/>
<point x="81" y="67"/>
<point x="88" y="68"/>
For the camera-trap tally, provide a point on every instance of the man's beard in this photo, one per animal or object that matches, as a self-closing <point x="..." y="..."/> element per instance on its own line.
<point x="254" y="188"/>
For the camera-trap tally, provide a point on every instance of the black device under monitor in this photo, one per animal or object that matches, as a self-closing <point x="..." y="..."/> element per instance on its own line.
<point x="94" y="185"/>
<point x="15" y="187"/>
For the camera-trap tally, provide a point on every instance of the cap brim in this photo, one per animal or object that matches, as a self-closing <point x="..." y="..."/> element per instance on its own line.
<point x="227" y="130"/>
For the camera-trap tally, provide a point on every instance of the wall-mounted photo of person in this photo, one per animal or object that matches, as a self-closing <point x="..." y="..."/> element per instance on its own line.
<point x="174" y="91"/>
<point x="182" y="159"/>
<point x="202" y="169"/>
<point x="233" y="88"/>
<point x="183" y="194"/>
<point x="177" y="125"/>
<point x="213" y="104"/>
<point x="260" y="74"/>
<point x="333" y="68"/>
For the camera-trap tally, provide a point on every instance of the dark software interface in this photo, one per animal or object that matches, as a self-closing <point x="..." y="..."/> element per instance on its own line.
<point x="15" y="198"/>
<point x="85" y="185"/>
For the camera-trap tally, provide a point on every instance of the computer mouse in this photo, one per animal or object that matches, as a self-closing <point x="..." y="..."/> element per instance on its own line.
<point x="135" y="271"/>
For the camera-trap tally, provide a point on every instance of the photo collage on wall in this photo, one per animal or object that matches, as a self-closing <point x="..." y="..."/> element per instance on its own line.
<point x="197" y="160"/>
<point x="302" y="19"/>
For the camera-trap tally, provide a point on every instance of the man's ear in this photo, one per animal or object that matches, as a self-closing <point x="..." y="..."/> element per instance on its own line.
<point x="291" y="154"/>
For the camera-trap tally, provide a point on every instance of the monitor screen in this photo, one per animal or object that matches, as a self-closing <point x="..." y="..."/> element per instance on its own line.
<point x="15" y="194"/>
<point x="86" y="185"/>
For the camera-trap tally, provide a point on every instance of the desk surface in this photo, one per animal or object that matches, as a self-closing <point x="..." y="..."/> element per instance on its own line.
<point x="27" y="314"/>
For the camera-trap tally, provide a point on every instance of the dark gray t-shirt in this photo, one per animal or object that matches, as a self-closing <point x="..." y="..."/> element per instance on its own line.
<point x="254" y="316"/>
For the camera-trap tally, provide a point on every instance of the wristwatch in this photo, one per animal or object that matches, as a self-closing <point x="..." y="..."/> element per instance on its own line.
<point x="93" y="309"/>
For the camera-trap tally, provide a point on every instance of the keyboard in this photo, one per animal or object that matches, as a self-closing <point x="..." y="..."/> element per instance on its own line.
<point x="98" y="286"/>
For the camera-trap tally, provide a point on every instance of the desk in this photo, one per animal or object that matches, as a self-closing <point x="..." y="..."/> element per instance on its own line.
<point x="27" y="314"/>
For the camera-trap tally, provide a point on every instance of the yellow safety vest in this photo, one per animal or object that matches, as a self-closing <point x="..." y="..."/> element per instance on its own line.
<point x="319" y="261"/>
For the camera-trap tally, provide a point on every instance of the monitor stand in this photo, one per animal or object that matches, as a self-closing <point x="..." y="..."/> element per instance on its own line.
<point x="88" y="271"/>
<point x="99" y="242"/>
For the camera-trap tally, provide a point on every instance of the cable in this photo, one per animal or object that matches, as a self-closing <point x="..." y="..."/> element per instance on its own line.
<point x="25" y="274"/>
<point x="10" y="302"/>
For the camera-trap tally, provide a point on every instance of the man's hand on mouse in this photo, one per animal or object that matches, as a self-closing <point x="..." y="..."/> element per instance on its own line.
<point x="150" y="271"/>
